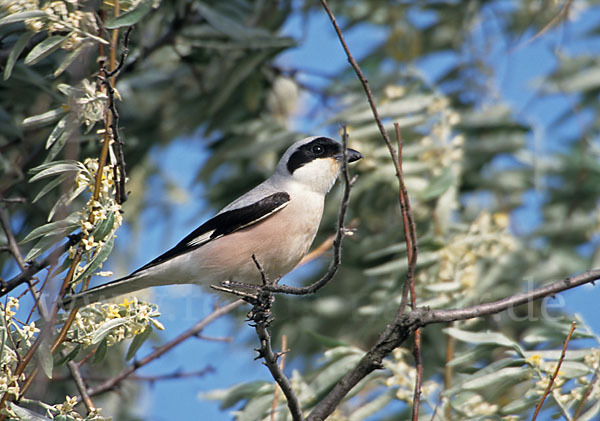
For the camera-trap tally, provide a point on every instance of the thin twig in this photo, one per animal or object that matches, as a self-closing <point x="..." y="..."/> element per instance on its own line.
<point x="161" y="350"/>
<point x="538" y="408"/>
<point x="108" y="80"/>
<point x="281" y="366"/>
<point x="410" y="237"/>
<point x="562" y="15"/>
<point x="340" y="234"/>
<point x="176" y="375"/>
<point x="34" y="267"/>
<point x="586" y="394"/>
<point x="81" y="387"/>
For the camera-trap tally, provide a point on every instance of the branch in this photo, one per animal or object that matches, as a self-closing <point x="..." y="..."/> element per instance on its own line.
<point x="553" y="376"/>
<point x="405" y="324"/>
<point x="337" y="242"/>
<point x="81" y="387"/>
<point x="161" y="350"/>
<point x="34" y="267"/>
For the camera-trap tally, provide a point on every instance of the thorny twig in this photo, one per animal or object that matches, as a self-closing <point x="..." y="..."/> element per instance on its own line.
<point x="337" y="242"/>
<point x="107" y="79"/>
<point x="260" y="318"/>
<point x="538" y="408"/>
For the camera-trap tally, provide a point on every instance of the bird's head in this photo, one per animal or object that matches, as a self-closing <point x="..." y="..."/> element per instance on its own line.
<point x="315" y="161"/>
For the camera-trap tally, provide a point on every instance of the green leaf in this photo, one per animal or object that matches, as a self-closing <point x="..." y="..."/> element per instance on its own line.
<point x="15" y="52"/>
<point x="438" y="185"/>
<point x="507" y="375"/>
<point x="333" y="372"/>
<point x="489" y="338"/>
<point x="44" y="355"/>
<point x="104" y="227"/>
<point x="131" y="17"/>
<point x="489" y="370"/>
<point x="228" y="26"/>
<point x="98" y="259"/>
<point x="373" y="406"/>
<point x="25" y="414"/>
<point x="44" y="49"/>
<point x="69" y="59"/>
<point x="106" y="327"/>
<point x="57" y="147"/>
<point x="21" y="16"/>
<point x="43" y="119"/>
<point x="521" y="404"/>
<point x="69" y="356"/>
<point x="56" y="132"/>
<point x="101" y="351"/>
<point x="241" y="72"/>
<point x="41" y="246"/>
<point x="238" y="393"/>
<point x="54" y="228"/>
<point x="54" y="168"/>
<point x="326" y="341"/>
<point x="49" y="186"/>
<point x="138" y="341"/>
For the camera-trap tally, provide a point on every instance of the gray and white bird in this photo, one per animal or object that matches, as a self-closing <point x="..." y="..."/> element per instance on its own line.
<point x="276" y="221"/>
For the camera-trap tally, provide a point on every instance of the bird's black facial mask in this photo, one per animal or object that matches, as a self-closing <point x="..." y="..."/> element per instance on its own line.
<point x="321" y="147"/>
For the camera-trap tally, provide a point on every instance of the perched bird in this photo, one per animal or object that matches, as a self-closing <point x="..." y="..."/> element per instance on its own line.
<point x="276" y="221"/>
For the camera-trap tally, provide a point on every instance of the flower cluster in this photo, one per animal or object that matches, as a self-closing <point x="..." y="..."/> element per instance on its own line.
<point x="460" y="260"/>
<point x="476" y="407"/>
<point x="442" y="149"/>
<point x="403" y="378"/>
<point x="59" y="16"/>
<point x="91" y="103"/>
<point x="100" y="218"/>
<point x="125" y="320"/>
<point x="21" y="336"/>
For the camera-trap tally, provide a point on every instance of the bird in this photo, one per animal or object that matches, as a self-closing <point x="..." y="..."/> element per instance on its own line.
<point x="276" y="222"/>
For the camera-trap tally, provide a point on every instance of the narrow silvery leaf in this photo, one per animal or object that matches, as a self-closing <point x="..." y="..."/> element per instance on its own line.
<point x="106" y="327"/>
<point x="15" y="52"/>
<point x="21" y="16"/>
<point x="44" y="49"/>
<point x="43" y="119"/>
<point x="138" y="341"/>
<point x="55" y="168"/>
<point x="65" y="225"/>
<point x="131" y="17"/>
<point x="56" y="132"/>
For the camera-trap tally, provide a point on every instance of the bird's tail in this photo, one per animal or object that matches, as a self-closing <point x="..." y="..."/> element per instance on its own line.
<point x="131" y="283"/>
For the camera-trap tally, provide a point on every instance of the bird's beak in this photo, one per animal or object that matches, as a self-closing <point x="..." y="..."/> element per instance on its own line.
<point x="351" y="154"/>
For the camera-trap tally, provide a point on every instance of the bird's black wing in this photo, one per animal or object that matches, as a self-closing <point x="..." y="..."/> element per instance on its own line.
<point x="224" y="223"/>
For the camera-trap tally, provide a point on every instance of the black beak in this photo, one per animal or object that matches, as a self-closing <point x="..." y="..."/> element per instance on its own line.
<point x="353" y="155"/>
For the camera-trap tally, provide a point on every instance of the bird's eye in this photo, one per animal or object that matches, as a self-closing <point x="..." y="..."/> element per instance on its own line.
<point x="318" y="149"/>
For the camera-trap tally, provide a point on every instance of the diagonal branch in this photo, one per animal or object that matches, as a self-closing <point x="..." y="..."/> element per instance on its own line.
<point x="405" y="324"/>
